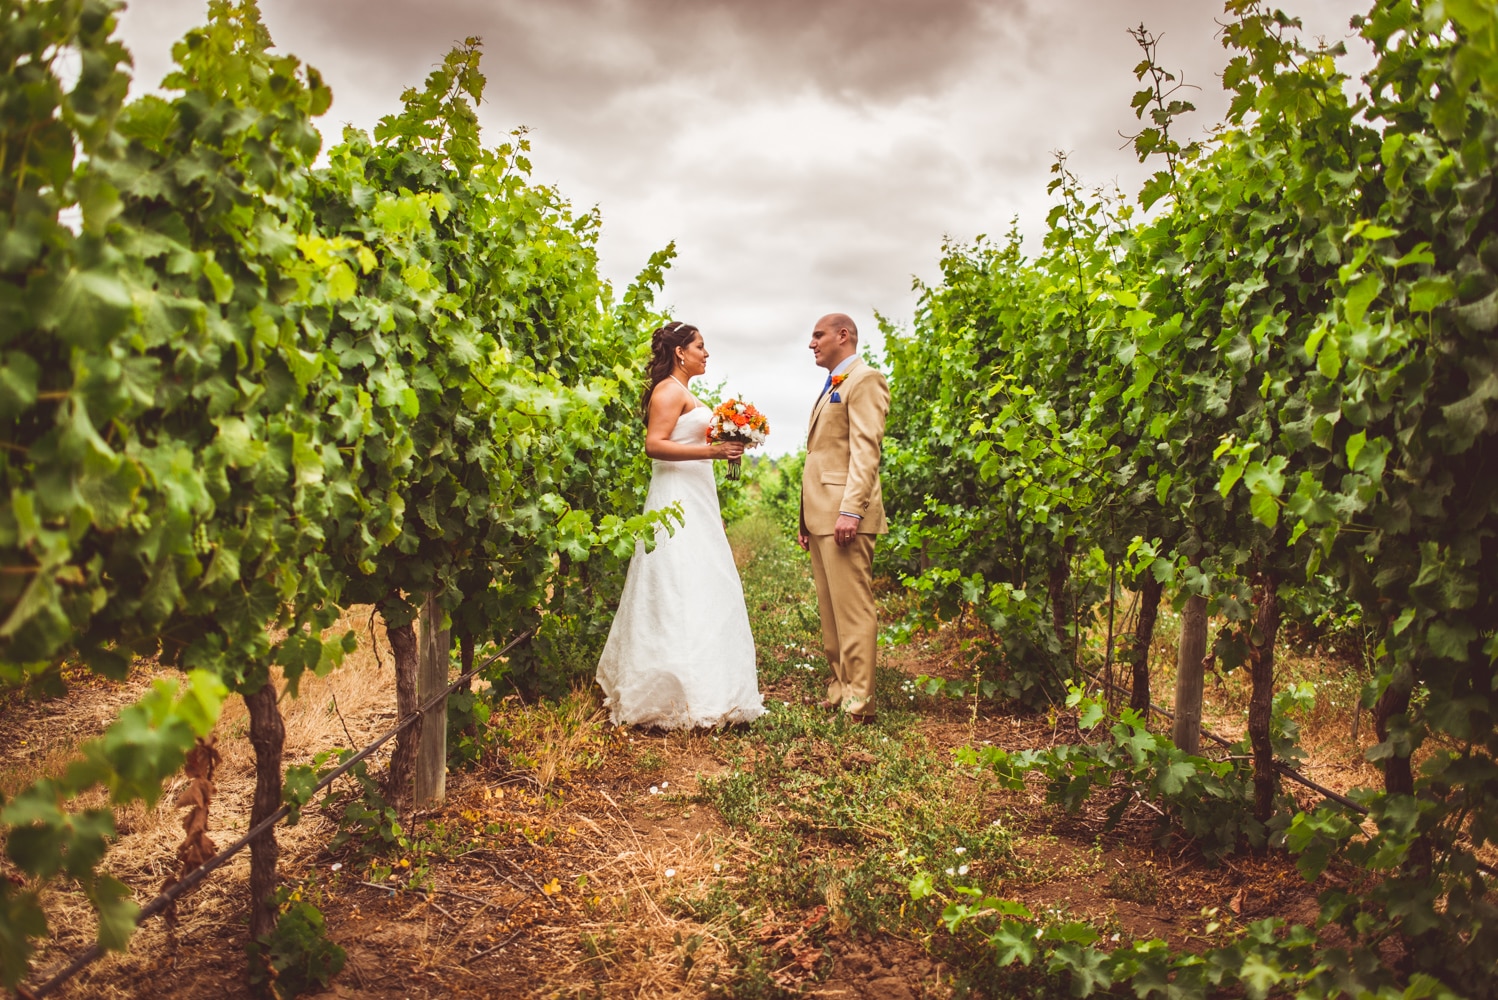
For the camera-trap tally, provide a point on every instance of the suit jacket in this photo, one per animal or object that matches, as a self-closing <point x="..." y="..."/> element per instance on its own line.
<point x="842" y="454"/>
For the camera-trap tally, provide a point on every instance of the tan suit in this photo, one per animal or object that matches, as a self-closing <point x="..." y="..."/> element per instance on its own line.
<point x="842" y="476"/>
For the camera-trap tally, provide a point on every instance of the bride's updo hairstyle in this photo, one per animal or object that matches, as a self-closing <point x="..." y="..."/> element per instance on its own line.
<point x="663" y="345"/>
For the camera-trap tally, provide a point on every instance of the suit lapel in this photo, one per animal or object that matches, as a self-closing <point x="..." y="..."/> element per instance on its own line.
<point x="822" y="400"/>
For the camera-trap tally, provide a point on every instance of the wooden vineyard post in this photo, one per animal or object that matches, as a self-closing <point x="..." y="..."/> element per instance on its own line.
<point x="1190" y="673"/>
<point x="434" y="654"/>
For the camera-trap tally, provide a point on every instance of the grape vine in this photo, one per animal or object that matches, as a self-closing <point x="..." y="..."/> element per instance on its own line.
<point x="248" y="390"/>
<point x="1273" y="380"/>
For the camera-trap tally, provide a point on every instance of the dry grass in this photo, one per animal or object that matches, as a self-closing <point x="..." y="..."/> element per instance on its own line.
<point x="552" y="865"/>
<point x="144" y="856"/>
<point x="555" y="871"/>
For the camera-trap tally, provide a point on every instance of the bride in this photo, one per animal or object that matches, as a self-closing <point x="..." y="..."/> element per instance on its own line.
<point x="680" y="653"/>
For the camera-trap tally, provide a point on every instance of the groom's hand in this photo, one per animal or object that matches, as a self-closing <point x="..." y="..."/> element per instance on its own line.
<point x="845" y="530"/>
<point x="803" y="539"/>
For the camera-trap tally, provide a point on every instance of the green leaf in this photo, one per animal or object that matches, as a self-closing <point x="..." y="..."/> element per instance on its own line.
<point x="921" y="886"/>
<point x="1355" y="445"/>
<point x="1429" y="292"/>
<point x="1329" y="359"/>
<point x="341" y="282"/>
<point x="1258" y="976"/>
<point x="1265" y="508"/>
<point x="237" y="442"/>
<point x="117" y="912"/>
<point x="21" y="919"/>
<point x="1012" y="942"/>
<point x="221" y="283"/>
<point x="297" y="789"/>
<point x="1451" y="640"/>
<point x="1174" y="776"/>
<point x="1361" y="295"/>
<point x="89" y="308"/>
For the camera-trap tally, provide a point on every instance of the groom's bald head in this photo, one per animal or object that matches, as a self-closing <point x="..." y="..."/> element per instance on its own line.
<point x="834" y="322"/>
<point x="833" y="340"/>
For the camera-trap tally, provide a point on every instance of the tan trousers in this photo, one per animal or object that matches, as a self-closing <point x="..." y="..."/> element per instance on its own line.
<point x="845" y="600"/>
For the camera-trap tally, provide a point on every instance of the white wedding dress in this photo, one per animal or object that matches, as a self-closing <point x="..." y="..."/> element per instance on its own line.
<point x="680" y="653"/>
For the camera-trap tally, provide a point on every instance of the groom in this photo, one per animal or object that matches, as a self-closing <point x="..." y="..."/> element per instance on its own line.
<point x="842" y="509"/>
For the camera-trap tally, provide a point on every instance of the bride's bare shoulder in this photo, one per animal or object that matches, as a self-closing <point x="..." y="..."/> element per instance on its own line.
<point x="669" y="400"/>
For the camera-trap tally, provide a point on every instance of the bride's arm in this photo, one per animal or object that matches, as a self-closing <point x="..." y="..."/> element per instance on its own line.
<point x="667" y="404"/>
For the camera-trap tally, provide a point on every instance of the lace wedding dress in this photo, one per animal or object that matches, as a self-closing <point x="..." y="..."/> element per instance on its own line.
<point x="680" y="653"/>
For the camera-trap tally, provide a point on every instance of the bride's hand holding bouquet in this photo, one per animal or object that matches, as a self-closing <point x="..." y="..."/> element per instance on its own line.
<point x="736" y="423"/>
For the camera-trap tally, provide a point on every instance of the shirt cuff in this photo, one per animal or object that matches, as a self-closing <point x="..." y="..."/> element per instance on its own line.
<point x="850" y="514"/>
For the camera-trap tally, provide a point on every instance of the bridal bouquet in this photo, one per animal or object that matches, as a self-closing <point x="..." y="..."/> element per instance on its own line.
<point x="736" y="420"/>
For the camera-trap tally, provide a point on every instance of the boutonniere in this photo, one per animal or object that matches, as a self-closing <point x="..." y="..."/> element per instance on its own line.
<point x="837" y="380"/>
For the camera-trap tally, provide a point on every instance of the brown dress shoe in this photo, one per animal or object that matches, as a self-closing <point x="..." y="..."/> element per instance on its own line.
<point x="863" y="718"/>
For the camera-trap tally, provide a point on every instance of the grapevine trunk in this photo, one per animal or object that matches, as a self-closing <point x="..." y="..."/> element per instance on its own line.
<point x="1261" y="701"/>
<point x="398" y="781"/>
<point x="1144" y="633"/>
<point x="268" y="736"/>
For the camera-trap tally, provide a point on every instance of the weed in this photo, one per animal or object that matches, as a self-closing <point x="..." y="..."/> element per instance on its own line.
<point x="1137" y="885"/>
<point x="298" y="956"/>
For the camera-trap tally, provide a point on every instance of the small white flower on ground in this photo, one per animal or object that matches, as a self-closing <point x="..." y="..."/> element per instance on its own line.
<point x="717" y="866"/>
<point x="337" y="865"/>
<point x="654" y="790"/>
<point x="962" y="869"/>
<point x="951" y="871"/>
<point x="665" y="784"/>
<point x="670" y="872"/>
<point x="959" y="850"/>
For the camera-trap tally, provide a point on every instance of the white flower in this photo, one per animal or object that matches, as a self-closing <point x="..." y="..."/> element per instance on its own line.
<point x="951" y="871"/>
<point x="665" y="784"/>
<point x="670" y="872"/>
<point x="337" y="865"/>
<point x="962" y="869"/>
<point x="959" y="850"/>
<point x="654" y="790"/>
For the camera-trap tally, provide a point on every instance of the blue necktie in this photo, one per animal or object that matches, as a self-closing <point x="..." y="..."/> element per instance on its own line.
<point x="825" y="386"/>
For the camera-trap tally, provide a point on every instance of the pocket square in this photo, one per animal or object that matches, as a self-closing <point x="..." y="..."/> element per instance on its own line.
<point x="835" y="397"/>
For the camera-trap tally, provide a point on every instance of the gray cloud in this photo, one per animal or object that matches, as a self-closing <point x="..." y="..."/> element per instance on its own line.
<point x="606" y="49"/>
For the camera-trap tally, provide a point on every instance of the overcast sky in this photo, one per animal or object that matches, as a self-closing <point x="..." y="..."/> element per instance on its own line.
<point x="805" y="156"/>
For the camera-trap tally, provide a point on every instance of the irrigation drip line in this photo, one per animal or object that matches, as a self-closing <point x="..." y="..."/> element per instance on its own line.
<point x="1282" y="768"/>
<point x="197" y="875"/>
<point x="1279" y="765"/>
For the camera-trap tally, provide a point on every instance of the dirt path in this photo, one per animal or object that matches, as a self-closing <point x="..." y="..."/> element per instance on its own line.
<point x="582" y="860"/>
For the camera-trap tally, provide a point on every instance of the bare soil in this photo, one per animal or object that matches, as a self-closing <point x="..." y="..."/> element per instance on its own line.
<point x="569" y="851"/>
